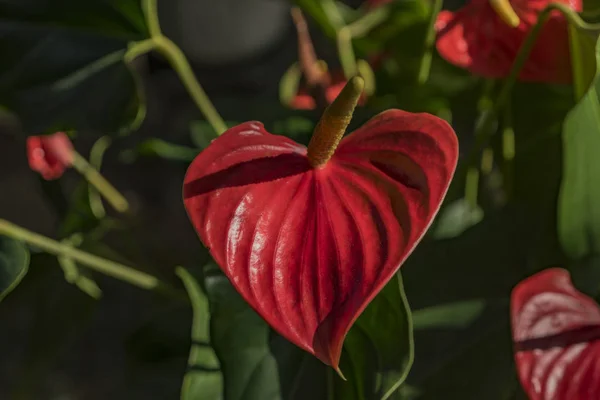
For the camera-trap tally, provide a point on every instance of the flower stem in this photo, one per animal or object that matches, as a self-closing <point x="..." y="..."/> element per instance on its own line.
<point x="333" y="123"/>
<point x="108" y="191"/>
<point x="425" y="64"/>
<point x="343" y="38"/>
<point x="150" y="10"/>
<point x="369" y="21"/>
<point x="107" y="267"/>
<point x="483" y="131"/>
<point x="179" y="63"/>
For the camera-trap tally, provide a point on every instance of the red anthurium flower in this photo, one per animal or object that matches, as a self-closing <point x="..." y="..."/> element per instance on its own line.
<point x="309" y="236"/>
<point x="50" y="155"/>
<point x="485" y="35"/>
<point x="556" y="330"/>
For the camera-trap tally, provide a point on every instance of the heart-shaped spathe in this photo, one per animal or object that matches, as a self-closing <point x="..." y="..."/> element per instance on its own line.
<point x="308" y="248"/>
<point x="556" y="330"/>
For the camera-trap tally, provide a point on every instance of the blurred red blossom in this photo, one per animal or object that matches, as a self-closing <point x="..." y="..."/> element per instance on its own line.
<point x="50" y="155"/>
<point x="556" y="330"/>
<point x="304" y="100"/>
<point x="480" y="39"/>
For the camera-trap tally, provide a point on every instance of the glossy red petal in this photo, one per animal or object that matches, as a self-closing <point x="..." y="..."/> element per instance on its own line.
<point x="309" y="248"/>
<point x="476" y="38"/>
<point x="556" y="330"/>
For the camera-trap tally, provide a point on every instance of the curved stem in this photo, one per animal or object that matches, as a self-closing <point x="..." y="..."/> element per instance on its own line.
<point x="425" y="64"/>
<point x="369" y="21"/>
<point x="346" y="52"/>
<point x="96" y="155"/>
<point x="181" y="65"/>
<point x="178" y="61"/>
<point x="151" y="12"/>
<point x="104" y="187"/>
<point x="343" y="38"/>
<point x="107" y="267"/>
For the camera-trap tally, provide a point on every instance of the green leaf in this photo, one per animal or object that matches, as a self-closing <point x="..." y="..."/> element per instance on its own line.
<point x="203" y="380"/>
<point x="455" y="218"/>
<point x="375" y="360"/>
<point x="392" y="347"/>
<point x="453" y="315"/>
<point x="240" y="339"/>
<point x="62" y="63"/>
<point x="160" y="148"/>
<point x="578" y="214"/>
<point x="14" y="263"/>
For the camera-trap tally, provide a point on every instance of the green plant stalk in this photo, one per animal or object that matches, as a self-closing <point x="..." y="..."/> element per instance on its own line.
<point x="107" y="267"/>
<point x="346" y="52"/>
<point x="108" y="191"/>
<point x="483" y="132"/>
<point x="428" y="45"/>
<point x="343" y="38"/>
<point x="163" y="45"/>
<point x="96" y="155"/>
<point x="369" y="21"/>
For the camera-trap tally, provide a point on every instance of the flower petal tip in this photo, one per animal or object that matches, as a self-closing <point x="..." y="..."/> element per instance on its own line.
<point x="340" y="374"/>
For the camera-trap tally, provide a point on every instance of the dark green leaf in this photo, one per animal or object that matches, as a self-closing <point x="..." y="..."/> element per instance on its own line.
<point x="453" y="315"/>
<point x="203" y="380"/>
<point x="241" y="341"/>
<point x="375" y="360"/>
<point x="62" y="63"/>
<point x="160" y="148"/>
<point x="579" y="216"/>
<point x="383" y="334"/>
<point x="14" y="263"/>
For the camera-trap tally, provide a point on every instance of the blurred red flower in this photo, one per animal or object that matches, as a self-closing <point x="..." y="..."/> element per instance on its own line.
<point x="305" y="101"/>
<point x="478" y="39"/>
<point x="50" y="155"/>
<point x="556" y="330"/>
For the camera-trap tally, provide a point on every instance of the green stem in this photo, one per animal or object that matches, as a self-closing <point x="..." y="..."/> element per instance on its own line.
<point x="96" y="155"/>
<point x="108" y="191"/>
<point x="178" y="61"/>
<point x="428" y="45"/>
<point x="483" y="131"/>
<point x="107" y="267"/>
<point x="369" y="21"/>
<point x="472" y="187"/>
<point x="346" y="52"/>
<point x="151" y="12"/>
<point x="343" y="38"/>
<point x="508" y="152"/>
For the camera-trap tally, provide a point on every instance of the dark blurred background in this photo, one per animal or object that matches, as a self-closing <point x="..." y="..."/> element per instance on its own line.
<point x="59" y="344"/>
